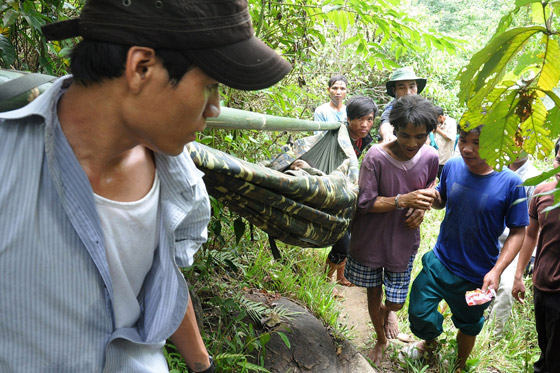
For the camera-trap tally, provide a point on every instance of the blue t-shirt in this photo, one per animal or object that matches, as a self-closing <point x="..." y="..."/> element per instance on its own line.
<point x="325" y="113"/>
<point x="477" y="210"/>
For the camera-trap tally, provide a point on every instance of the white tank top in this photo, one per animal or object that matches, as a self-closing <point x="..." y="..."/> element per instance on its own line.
<point x="131" y="232"/>
<point x="131" y="237"/>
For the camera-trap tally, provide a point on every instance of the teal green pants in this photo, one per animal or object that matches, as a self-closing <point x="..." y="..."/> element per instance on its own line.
<point x="434" y="283"/>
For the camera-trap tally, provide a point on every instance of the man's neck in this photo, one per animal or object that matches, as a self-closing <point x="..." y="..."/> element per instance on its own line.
<point x="481" y="170"/>
<point x="117" y="167"/>
<point x="337" y="106"/>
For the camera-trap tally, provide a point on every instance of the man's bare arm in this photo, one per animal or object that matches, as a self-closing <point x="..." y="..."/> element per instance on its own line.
<point x="418" y="199"/>
<point x="518" y="289"/>
<point x="386" y="132"/>
<point x="189" y="342"/>
<point x="509" y="251"/>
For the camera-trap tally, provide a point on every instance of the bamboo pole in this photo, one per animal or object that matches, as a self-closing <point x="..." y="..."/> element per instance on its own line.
<point x="247" y="120"/>
<point x="229" y="118"/>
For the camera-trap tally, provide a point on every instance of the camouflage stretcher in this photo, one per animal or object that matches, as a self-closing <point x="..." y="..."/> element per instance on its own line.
<point x="307" y="208"/>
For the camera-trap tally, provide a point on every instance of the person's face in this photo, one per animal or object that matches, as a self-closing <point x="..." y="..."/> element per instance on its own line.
<point x="468" y="147"/>
<point x="360" y="127"/>
<point x="165" y="118"/>
<point x="337" y="92"/>
<point x="405" y="88"/>
<point x="441" y="119"/>
<point x="410" y="139"/>
<point x="555" y="164"/>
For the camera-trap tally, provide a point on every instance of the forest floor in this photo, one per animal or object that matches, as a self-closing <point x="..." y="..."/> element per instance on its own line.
<point x="355" y="315"/>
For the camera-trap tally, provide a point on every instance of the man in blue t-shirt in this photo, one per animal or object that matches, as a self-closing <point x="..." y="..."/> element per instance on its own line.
<point x="479" y="204"/>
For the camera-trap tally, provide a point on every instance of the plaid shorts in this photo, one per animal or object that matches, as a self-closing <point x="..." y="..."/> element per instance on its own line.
<point x="396" y="283"/>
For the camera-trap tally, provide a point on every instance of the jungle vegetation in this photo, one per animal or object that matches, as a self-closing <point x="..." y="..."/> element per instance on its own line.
<point x="497" y="65"/>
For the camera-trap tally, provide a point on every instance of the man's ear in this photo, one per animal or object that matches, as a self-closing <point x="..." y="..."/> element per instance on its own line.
<point x="140" y="63"/>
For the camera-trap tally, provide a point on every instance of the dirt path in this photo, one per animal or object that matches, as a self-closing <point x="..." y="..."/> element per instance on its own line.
<point x="355" y="315"/>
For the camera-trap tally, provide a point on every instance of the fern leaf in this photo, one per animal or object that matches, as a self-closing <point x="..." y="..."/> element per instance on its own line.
<point x="255" y="310"/>
<point x="550" y="74"/>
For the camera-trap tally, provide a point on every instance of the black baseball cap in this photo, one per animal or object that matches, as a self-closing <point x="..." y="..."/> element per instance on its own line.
<point x="216" y="35"/>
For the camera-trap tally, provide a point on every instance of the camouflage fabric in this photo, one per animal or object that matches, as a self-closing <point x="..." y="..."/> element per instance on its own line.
<point x="297" y="208"/>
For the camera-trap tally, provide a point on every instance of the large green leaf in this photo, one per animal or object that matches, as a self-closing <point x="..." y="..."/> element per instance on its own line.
<point x="552" y="99"/>
<point x="7" y="52"/>
<point x="476" y="115"/>
<point x="552" y="103"/>
<point x="536" y="180"/>
<point x="505" y="22"/>
<point x="550" y="74"/>
<point x="536" y="136"/>
<point x="520" y="3"/>
<point x="497" y="145"/>
<point x="487" y="67"/>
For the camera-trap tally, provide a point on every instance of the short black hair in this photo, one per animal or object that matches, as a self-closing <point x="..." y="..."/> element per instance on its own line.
<point x="336" y="78"/>
<point x="476" y="130"/>
<point x="413" y="109"/>
<point x="360" y="106"/>
<point x="92" y="62"/>
<point x="439" y="110"/>
<point x="556" y="147"/>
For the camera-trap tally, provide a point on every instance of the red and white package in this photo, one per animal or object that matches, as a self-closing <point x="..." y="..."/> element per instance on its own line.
<point x="476" y="297"/>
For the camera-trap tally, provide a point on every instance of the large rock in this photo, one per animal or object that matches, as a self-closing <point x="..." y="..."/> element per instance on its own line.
<point x="312" y="348"/>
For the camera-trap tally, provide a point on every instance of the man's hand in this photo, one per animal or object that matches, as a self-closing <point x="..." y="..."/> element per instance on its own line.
<point x="414" y="217"/>
<point x="443" y="134"/>
<point x="419" y="199"/>
<point x="491" y="280"/>
<point x="518" y="290"/>
<point x="386" y="132"/>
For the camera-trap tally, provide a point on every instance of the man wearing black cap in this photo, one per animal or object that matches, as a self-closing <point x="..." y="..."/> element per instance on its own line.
<point x="403" y="82"/>
<point x="100" y="205"/>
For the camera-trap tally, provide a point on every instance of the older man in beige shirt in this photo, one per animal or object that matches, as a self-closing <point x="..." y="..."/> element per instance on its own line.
<point x="446" y="132"/>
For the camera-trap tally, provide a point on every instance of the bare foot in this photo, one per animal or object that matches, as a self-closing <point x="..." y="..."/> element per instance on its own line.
<point x="378" y="352"/>
<point x="391" y="325"/>
<point x="337" y="294"/>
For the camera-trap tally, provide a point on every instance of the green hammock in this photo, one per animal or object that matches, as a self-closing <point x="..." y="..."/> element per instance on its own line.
<point x="307" y="208"/>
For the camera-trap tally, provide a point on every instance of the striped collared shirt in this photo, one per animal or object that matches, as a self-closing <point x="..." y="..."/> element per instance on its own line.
<point x="56" y="311"/>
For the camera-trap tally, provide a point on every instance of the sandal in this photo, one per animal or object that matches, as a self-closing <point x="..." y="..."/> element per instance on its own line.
<point x="411" y="352"/>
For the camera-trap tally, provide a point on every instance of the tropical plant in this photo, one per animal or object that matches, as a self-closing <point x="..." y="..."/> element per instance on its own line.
<point x="505" y="86"/>
<point x="23" y="46"/>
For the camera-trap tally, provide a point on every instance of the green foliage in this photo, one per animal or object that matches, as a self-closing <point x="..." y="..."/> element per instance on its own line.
<point x="359" y="38"/>
<point x="237" y="328"/>
<point x="364" y="26"/>
<point x="506" y="95"/>
<point x="22" y="45"/>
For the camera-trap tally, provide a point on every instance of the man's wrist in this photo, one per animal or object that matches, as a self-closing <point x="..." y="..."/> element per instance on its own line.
<point x="210" y="369"/>
<point x="397" y="206"/>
